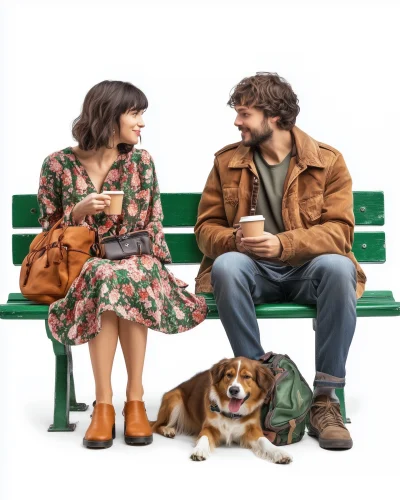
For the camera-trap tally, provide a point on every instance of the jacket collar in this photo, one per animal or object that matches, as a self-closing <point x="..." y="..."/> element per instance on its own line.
<point x="305" y="148"/>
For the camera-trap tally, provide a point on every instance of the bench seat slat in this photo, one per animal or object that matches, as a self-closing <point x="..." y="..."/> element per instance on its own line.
<point x="372" y="303"/>
<point x="367" y="306"/>
<point x="369" y="295"/>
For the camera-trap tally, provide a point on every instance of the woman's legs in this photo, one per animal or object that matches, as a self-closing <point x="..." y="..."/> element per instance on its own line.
<point x="133" y="339"/>
<point x="102" y="351"/>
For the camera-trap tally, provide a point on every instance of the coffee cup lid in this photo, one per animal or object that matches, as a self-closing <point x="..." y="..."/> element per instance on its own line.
<point x="112" y="192"/>
<point x="252" y="218"/>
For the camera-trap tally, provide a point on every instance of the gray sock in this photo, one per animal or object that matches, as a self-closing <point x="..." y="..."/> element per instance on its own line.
<point x="326" y="391"/>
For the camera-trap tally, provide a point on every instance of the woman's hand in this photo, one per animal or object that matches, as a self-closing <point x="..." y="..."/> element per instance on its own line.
<point x="92" y="204"/>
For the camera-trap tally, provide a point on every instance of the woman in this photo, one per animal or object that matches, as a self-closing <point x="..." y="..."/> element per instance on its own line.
<point x="120" y="299"/>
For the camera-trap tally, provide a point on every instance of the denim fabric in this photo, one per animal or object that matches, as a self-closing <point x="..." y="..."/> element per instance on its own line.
<point x="329" y="281"/>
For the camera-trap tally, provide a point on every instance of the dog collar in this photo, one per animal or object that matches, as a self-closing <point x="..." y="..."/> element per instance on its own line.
<point x="215" y="408"/>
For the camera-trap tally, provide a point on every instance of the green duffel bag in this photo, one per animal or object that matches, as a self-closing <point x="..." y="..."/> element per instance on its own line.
<point x="283" y="414"/>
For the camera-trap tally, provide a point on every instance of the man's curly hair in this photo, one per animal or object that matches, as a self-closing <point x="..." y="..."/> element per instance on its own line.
<point x="270" y="93"/>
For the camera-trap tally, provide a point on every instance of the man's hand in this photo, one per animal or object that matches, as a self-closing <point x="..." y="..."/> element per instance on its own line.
<point x="239" y="245"/>
<point x="268" y="245"/>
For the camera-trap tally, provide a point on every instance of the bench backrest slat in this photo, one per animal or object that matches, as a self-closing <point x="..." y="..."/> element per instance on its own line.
<point x="368" y="247"/>
<point x="180" y="210"/>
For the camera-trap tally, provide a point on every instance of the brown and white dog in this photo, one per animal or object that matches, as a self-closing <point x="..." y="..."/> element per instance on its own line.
<point x="221" y="405"/>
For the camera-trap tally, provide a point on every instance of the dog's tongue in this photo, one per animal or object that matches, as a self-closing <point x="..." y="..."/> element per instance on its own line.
<point x="234" y="405"/>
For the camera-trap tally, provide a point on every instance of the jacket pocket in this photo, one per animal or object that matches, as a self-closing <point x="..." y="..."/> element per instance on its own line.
<point x="231" y="202"/>
<point x="311" y="207"/>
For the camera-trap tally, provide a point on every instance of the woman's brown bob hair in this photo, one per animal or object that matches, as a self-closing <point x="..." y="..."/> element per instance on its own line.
<point x="101" y="111"/>
<point x="270" y="93"/>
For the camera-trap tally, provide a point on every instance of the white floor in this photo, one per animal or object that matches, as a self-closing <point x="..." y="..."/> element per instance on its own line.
<point x="55" y="465"/>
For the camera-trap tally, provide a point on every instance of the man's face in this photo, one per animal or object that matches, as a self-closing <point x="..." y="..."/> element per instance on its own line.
<point x="253" y="126"/>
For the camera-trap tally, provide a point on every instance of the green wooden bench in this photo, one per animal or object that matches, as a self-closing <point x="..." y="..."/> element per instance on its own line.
<point x="180" y="210"/>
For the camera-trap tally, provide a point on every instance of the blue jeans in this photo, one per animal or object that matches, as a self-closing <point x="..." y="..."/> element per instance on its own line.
<point x="329" y="281"/>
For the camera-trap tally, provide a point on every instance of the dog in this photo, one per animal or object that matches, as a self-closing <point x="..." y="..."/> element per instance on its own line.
<point x="221" y="405"/>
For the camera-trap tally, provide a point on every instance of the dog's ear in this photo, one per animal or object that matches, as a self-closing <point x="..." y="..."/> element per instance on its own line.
<point x="264" y="377"/>
<point x="217" y="371"/>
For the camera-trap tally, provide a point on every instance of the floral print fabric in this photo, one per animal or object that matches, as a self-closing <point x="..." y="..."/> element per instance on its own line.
<point x="139" y="289"/>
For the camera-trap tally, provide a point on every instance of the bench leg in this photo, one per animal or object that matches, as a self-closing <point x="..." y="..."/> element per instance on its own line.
<point x="73" y="405"/>
<point x="340" y="395"/>
<point x="63" y="393"/>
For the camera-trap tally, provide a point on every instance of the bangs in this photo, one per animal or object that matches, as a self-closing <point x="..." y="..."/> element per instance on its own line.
<point x="132" y="99"/>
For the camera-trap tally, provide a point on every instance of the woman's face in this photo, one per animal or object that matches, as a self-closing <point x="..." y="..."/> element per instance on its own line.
<point x="130" y="124"/>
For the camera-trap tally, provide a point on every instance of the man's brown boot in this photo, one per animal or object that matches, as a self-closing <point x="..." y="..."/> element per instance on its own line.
<point x="137" y="428"/>
<point x="101" y="431"/>
<point x="327" y="425"/>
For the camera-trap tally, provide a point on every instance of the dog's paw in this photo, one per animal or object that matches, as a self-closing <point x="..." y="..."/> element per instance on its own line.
<point x="169" y="432"/>
<point x="263" y="448"/>
<point x="281" y="457"/>
<point x="202" y="450"/>
<point x="199" y="455"/>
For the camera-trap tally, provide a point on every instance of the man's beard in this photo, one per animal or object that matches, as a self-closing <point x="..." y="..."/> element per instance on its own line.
<point x="258" y="137"/>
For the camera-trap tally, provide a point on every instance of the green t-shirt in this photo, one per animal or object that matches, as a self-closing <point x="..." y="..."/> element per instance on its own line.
<point x="269" y="203"/>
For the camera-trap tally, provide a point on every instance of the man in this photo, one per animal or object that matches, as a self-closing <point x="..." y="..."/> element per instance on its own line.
<point x="303" y="189"/>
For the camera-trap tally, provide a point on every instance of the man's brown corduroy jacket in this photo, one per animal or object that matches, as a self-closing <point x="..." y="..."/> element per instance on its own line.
<point x="317" y="205"/>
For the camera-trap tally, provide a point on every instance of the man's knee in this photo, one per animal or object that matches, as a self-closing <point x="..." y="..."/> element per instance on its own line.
<point x="336" y="266"/>
<point x="229" y="267"/>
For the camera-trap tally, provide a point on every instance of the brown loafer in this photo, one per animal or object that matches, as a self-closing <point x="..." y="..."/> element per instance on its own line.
<point x="137" y="429"/>
<point x="101" y="431"/>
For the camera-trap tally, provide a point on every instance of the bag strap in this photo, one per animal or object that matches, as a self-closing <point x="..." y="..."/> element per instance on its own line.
<point x="138" y="227"/>
<point x="119" y="222"/>
<point x="47" y="234"/>
<point x="292" y="424"/>
<point x="266" y="357"/>
<point x="56" y="225"/>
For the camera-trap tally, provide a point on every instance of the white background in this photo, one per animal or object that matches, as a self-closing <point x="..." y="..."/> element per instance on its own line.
<point x="342" y="61"/>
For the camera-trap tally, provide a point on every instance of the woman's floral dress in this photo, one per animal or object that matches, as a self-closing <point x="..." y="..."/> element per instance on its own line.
<point x="139" y="289"/>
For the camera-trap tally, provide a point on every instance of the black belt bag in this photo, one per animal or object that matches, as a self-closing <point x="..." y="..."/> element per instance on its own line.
<point x="123" y="246"/>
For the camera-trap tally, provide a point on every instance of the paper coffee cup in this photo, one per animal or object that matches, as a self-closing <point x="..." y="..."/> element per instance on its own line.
<point x="252" y="225"/>
<point x="115" y="207"/>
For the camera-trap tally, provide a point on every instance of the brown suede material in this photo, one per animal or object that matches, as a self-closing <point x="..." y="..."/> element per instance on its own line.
<point x="55" y="259"/>
<point x="317" y="206"/>
<point x="103" y="419"/>
<point x="136" y="422"/>
<point x="326" y="418"/>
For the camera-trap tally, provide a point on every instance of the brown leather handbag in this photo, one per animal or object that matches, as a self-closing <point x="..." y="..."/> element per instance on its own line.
<point x="55" y="260"/>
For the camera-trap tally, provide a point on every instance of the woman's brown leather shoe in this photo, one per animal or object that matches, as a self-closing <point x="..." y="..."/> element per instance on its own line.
<point x="101" y="431"/>
<point x="137" y="428"/>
